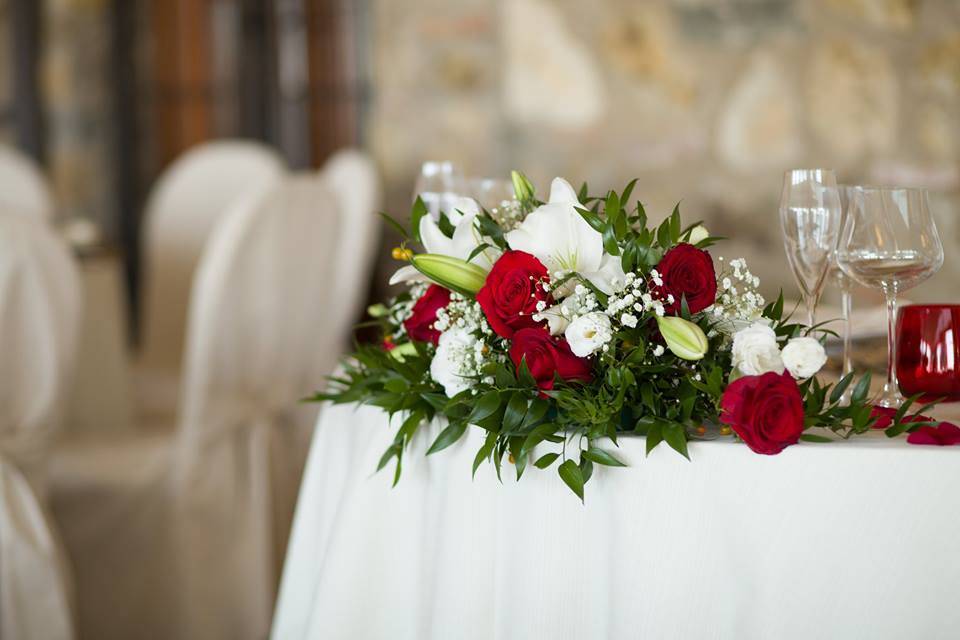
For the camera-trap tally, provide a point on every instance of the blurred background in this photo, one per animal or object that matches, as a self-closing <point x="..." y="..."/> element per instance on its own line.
<point x="705" y="100"/>
<point x="175" y="428"/>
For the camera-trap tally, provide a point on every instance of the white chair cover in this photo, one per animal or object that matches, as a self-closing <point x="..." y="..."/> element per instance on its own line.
<point x="186" y="203"/>
<point x="259" y="340"/>
<point x="23" y="187"/>
<point x="352" y="177"/>
<point x="39" y="312"/>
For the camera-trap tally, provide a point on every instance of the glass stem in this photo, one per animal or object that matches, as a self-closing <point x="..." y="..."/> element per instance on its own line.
<point x="846" y="304"/>
<point x="891" y="391"/>
<point x="811" y="301"/>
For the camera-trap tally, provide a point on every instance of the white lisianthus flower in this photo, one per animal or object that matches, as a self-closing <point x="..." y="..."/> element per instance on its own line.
<point x="755" y="350"/>
<point x="698" y="233"/>
<point x="562" y="240"/>
<point x="803" y="357"/>
<point x="450" y="366"/>
<point x="588" y="333"/>
<point x="465" y="239"/>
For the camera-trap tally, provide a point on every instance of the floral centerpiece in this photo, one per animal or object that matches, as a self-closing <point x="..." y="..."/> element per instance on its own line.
<point x="569" y="323"/>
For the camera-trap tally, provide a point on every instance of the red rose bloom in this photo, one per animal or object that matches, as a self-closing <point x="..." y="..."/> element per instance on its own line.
<point x="546" y="356"/>
<point x="511" y="292"/>
<point x="419" y="325"/>
<point x="686" y="271"/>
<point x="766" y="411"/>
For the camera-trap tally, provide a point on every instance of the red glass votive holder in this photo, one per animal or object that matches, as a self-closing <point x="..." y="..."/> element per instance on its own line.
<point x="928" y="351"/>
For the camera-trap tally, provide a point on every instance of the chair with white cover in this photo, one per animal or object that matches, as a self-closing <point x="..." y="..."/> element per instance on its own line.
<point x="260" y="340"/>
<point x="23" y="186"/>
<point x="39" y="314"/>
<point x="182" y="209"/>
<point x="352" y="177"/>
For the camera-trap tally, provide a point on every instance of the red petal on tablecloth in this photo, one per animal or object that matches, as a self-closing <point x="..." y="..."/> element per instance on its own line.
<point x="944" y="434"/>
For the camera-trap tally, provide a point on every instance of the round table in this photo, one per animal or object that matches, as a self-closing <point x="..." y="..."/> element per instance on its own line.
<point x="852" y="539"/>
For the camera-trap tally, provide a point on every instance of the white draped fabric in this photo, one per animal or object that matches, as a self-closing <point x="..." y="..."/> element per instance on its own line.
<point x="259" y="340"/>
<point x="23" y="187"/>
<point x="847" y="540"/>
<point x="39" y="313"/>
<point x="183" y="208"/>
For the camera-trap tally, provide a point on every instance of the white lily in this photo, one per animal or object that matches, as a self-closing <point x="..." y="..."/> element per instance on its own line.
<point x="465" y="239"/>
<point x="563" y="241"/>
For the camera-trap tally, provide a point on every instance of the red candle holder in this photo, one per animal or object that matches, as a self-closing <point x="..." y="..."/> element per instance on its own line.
<point x="928" y="351"/>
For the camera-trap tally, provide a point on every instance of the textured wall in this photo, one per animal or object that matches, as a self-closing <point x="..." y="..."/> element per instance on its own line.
<point x="705" y="100"/>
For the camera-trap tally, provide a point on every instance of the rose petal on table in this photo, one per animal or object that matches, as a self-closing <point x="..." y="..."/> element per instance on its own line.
<point x="944" y="434"/>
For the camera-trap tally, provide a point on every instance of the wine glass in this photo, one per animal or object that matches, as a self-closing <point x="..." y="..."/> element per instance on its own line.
<point x="890" y="242"/>
<point x="810" y="218"/>
<point x="437" y="186"/>
<point x="492" y="193"/>
<point x="842" y="282"/>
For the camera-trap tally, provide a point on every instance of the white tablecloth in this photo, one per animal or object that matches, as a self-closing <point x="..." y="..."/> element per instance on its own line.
<point x="848" y="540"/>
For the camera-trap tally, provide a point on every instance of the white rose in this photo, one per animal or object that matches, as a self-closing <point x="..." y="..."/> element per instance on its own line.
<point x="588" y="333"/>
<point x="755" y="350"/>
<point x="803" y="357"/>
<point x="450" y="364"/>
<point x="698" y="233"/>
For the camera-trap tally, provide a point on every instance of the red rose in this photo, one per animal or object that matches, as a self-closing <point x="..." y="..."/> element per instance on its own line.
<point x="511" y="292"/>
<point x="419" y="325"/>
<point x="766" y="411"/>
<point x="546" y="356"/>
<point x="686" y="271"/>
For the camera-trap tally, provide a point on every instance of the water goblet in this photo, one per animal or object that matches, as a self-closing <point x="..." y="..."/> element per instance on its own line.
<point x="890" y="242"/>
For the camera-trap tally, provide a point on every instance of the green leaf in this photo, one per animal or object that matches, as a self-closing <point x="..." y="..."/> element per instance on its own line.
<point x="592" y="219"/>
<point x="536" y="436"/>
<point x="675" y="224"/>
<point x="654" y="435"/>
<point x="484" y="451"/>
<point x="546" y="460"/>
<point x="391" y="451"/>
<point x="490" y="229"/>
<point x="516" y="410"/>
<point x="446" y="227"/>
<point x="396" y="225"/>
<point x="601" y="457"/>
<point x="676" y="437"/>
<point x="535" y="412"/>
<point x="571" y="475"/>
<point x="487" y="405"/>
<point x="478" y="250"/>
<point x="447" y="437"/>
<point x="860" y="391"/>
<point x="610" y="241"/>
<point x="410" y="425"/>
<point x="812" y="437"/>
<point x="586" y="469"/>
<point x="419" y="210"/>
<point x="525" y="378"/>
<point x="627" y="192"/>
<point x="584" y="192"/>
<point x="840" y="387"/>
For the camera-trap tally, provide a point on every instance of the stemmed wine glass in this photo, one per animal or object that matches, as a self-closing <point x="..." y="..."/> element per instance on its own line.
<point x="810" y="218"/>
<point x="890" y="242"/>
<point x="842" y="282"/>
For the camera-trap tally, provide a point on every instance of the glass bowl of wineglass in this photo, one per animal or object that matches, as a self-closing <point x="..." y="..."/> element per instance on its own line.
<point x="890" y="242"/>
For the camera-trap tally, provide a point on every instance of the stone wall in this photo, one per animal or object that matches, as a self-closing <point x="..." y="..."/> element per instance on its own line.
<point x="707" y="101"/>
